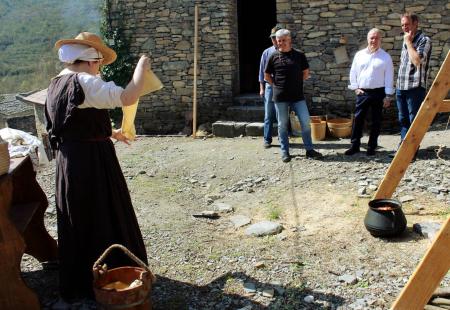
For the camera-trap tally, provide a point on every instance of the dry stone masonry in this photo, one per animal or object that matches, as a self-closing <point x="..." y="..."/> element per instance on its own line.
<point x="329" y="32"/>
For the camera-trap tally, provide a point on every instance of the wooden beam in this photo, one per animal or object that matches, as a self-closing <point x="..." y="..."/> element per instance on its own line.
<point x="428" y="274"/>
<point x="445" y="106"/>
<point x="428" y="109"/>
<point x="194" y="95"/>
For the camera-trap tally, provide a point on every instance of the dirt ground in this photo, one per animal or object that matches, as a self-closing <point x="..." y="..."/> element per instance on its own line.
<point x="323" y="251"/>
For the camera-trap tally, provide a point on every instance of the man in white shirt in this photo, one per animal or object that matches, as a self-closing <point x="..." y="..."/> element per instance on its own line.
<point x="372" y="79"/>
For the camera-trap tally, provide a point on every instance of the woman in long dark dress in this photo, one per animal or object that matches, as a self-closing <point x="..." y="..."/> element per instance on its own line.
<point x="94" y="208"/>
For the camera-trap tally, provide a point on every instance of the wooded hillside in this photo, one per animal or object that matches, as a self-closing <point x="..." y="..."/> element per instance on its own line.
<point x="28" y="31"/>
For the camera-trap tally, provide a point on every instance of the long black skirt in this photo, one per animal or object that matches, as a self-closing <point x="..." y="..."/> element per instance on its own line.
<point x="94" y="210"/>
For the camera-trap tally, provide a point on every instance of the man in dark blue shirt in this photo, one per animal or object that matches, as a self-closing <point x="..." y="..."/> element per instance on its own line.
<point x="265" y="90"/>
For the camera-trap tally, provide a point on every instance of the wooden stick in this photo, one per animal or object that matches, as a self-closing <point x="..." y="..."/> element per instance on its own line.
<point x="430" y="106"/>
<point x="428" y="274"/>
<point x="194" y="96"/>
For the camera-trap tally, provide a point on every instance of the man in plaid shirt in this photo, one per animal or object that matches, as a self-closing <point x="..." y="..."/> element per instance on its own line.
<point x="413" y="71"/>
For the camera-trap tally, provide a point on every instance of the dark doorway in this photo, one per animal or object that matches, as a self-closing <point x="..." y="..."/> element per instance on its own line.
<point x="255" y="19"/>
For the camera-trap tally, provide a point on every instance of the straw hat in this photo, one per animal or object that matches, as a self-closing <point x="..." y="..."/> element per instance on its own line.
<point x="92" y="40"/>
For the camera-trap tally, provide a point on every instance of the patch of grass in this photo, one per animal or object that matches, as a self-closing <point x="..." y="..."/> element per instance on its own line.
<point x="362" y="284"/>
<point x="297" y="267"/>
<point x="273" y="212"/>
<point x="445" y="213"/>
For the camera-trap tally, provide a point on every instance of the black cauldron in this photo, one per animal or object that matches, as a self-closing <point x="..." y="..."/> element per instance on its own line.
<point x="385" y="218"/>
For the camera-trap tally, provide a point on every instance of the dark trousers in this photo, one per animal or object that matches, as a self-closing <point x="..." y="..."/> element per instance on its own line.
<point x="371" y="99"/>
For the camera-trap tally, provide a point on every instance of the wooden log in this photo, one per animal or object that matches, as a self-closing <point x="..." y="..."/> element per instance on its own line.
<point x="194" y="95"/>
<point x="428" y="274"/>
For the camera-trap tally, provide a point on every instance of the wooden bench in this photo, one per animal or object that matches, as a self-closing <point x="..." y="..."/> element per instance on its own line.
<point x="22" y="208"/>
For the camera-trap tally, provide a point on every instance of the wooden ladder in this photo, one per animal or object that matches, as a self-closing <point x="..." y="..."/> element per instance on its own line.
<point x="436" y="262"/>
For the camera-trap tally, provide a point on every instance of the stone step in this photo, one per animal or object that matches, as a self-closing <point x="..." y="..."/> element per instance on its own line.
<point x="231" y="129"/>
<point x="248" y="100"/>
<point x="245" y="113"/>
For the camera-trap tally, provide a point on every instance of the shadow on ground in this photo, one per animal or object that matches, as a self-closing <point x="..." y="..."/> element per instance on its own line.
<point x="169" y="294"/>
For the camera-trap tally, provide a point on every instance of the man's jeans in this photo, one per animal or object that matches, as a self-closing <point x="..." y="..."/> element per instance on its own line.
<point x="408" y="103"/>
<point x="301" y="110"/>
<point x="269" y="113"/>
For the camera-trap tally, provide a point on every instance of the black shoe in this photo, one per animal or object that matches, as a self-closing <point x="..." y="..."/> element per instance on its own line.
<point x="352" y="150"/>
<point x="313" y="154"/>
<point x="370" y="151"/>
<point x="286" y="158"/>
<point x="266" y="145"/>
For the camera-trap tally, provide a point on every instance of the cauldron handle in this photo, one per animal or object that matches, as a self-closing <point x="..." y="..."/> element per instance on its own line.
<point x="97" y="265"/>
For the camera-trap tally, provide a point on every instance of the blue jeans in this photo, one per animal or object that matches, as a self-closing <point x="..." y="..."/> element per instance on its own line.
<point x="408" y="103"/>
<point x="269" y="113"/>
<point x="301" y="110"/>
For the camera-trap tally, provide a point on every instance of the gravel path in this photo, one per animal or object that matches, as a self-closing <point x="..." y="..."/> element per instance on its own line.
<point x="323" y="258"/>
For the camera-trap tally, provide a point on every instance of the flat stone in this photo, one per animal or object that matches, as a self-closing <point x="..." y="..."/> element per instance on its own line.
<point x="406" y="198"/>
<point x="254" y="129"/>
<point x="269" y="292"/>
<point x="250" y="288"/>
<point x="427" y="229"/>
<point x="348" y="279"/>
<point x="239" y="128"/>
<point x="240" y="220"/>
<point x="341" y="55"/>
<point x="264" y="228"/>
<point x="223" y="129"/>
<point x="207" y="214"/>
<point x="222" y="207"/>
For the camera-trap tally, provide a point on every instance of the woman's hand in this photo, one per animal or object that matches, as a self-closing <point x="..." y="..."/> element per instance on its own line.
<point x="119" y="136"/>
<point x="144" y="62"/>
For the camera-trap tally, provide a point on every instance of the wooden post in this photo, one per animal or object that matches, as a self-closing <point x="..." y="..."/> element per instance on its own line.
<point x="194" y="96"/>
<point x="434" y="102"/>
<point x="428" y="274"/>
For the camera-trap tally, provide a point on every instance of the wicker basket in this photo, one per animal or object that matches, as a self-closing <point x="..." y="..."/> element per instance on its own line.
<point x="4" y="157"/>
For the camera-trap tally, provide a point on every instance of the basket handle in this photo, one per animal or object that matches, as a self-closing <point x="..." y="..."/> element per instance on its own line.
<point x="97" y="264"/>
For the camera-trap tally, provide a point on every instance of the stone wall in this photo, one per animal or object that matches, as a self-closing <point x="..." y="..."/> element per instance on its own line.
<point x="24" y="123"/>
<point x="165" y="30"/>
<point x="330" y="32"/>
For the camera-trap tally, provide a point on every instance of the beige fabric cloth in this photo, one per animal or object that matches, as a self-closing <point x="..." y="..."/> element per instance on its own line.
<point x="152" y="83"/>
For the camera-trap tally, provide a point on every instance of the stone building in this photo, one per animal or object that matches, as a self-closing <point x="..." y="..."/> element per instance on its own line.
<point x="36" y="100"/>
<point x="16" y="114"/>
<point x="232" y="36"/>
